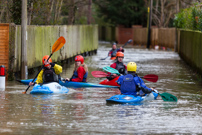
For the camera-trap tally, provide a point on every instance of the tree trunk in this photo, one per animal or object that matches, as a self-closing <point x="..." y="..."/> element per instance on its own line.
<point x="177" y="6"/>
<point x="89" y="11"/>
<point x="71" y="12"/>
<point x="57" y="10"/>
<point x="8" y="13"/>
<point x="51" y="3"/>
<point x="162" y="13"/>
<point x="2" y="13"/>
<point x="29" y="18"/>
<point x="157" y="6"/>
<point x="60" y="8"/>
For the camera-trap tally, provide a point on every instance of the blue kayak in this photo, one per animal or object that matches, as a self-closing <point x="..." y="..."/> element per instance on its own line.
<point x="50" y="88"/>
<point x="74" y="84"/>
<point x="130" y="99"/>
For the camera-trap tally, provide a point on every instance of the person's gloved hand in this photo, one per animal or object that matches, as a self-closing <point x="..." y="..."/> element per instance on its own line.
<point x="52" y="64"/>
<point x="32" y="83"/>
<point x="114" y="75"/>
<point x="46" y="62"/>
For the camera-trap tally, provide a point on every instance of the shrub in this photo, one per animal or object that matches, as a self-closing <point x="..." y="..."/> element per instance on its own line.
<point x="189" y="18"/>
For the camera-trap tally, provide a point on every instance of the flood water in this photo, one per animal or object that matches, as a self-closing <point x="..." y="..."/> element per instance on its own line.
<point x="84" y="110"/>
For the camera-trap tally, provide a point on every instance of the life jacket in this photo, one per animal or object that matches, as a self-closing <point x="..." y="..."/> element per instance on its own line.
<point x="75" y="75"/>
<point x="128" y="85"/>
<point x="114" y="51"/>
<point x="121" y="68"/>
<point x="49" y="75"/>
<point x="141" y="91"/>
<point x="138" y="89"/>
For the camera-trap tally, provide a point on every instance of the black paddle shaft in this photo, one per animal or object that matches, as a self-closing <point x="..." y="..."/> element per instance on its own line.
<point x="129" y="41"/>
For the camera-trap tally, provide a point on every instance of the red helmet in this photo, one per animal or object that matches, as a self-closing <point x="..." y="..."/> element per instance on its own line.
<point x="79" y="58"/>
<point x="45" y="58"/>
<point x="119" y="54"/>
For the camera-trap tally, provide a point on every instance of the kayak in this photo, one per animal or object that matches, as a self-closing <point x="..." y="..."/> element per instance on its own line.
<point x="111" y="82"/>
<point x="112" y="58"/>
<point x="73" y="84"/>
<point x="50" y="88"/>
<point x="130" y="99"/>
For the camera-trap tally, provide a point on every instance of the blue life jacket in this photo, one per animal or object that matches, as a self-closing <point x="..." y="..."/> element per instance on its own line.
<point x="75" y="75"/>
<point x="137" y="82"/>
<point x="128" y="85"/>
<point x="133" y="85"/>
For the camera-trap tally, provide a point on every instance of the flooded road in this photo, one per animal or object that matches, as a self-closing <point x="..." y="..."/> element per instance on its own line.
<point x="84" y="111"/>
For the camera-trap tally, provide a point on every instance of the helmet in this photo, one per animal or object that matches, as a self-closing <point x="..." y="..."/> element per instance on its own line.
<point x="114" y="43"/>
<point x="131" y="67"/>
<point x="119" y="54"/>
<point x="45" y="58"/>
<point x="79" y="58"/>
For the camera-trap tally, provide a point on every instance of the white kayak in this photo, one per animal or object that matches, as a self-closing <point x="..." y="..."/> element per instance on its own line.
<point x="49" y="88"/>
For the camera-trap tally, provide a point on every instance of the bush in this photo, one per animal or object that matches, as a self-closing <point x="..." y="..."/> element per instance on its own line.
<point x="189" y="18"/>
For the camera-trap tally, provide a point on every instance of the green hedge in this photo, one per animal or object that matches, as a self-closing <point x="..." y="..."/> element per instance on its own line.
<point x="189" y="18"/>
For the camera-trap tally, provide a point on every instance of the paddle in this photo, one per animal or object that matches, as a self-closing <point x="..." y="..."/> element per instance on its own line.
<point x="167" y="96"/>
<point x="99" y="74"/>
<point x="111" y="70"/>
<point x="129" y="41"/>
<point x="56" y="46"/>
<point x="104" y="58"/>
<point x="149" y="77"/>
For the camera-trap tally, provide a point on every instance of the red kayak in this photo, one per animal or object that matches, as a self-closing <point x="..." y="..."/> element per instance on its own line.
<point x="112" y="58"/>
<point x="111" y="82"/>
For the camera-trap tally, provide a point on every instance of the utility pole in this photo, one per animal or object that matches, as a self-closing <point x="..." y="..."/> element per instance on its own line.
<point x="149" y="23"/>
<point x="24" y="72"/>
<point x="176" y="32"/>
<point x="89" y="12"/>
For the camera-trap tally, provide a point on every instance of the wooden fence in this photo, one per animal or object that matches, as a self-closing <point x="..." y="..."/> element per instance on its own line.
<point x="164" y="37"/>
<point x="79" y="39"/>
<point x="4" y="45"/>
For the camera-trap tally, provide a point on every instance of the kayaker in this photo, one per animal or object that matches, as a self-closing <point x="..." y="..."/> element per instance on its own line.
<point x="118" y="65"/>
<point x="50" y="72"/>
<point x="80" y="72"/>
<point x="114" y="50"/>
<point x="131" y="84"/>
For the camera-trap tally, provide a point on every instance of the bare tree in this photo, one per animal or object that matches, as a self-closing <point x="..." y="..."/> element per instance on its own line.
<point x="29" y="14"/>
<point x="5" y="13"/>
<point x="76" y="9"/>
<point x="164" y="10"/>
<point x="50" y="6"/>
<point x="89" y="11"/>
<point x="2" y="10"/>
<point x="71" y="17"/>
<point x="57" y="10"/>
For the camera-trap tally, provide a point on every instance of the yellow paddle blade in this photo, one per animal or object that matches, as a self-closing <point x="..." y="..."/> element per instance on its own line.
<point x="58" y="44"/>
